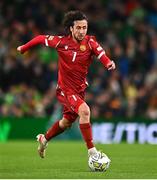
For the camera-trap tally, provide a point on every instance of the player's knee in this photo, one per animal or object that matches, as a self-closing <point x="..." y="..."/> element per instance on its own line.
<point x="64" y="124"/>
<point x="84" y="110"/>
<point x="68" y="125"/>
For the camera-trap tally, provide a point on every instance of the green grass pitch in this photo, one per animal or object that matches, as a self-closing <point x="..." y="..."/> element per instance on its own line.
<point x="68" y="160"/>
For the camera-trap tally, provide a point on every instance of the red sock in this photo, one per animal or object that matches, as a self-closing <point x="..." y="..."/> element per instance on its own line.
<point x="53" y="131"/>
<point x="86" y="131"/>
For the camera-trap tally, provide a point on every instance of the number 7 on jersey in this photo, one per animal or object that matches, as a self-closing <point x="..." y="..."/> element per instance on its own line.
<point x="74" y="56"/>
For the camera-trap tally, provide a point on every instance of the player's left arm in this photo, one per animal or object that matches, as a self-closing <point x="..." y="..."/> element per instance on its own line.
<point x="40" y="39"/>
<point x="101" y="55"/>
<point x="47" y="40"/>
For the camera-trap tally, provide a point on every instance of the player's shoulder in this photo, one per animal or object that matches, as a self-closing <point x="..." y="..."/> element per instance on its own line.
<point x="91" y="41"/>
<point x="90" y="38"/>
<point x="51" y="37"/>
<point x="53" y="40"/>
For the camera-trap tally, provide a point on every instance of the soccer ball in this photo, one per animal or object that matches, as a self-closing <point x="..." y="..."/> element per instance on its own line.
<point x="99" y="162"/>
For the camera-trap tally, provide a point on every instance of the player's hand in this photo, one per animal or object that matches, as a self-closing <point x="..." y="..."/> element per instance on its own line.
<point x="111" y="66"/>
<point x="19" y="48"/>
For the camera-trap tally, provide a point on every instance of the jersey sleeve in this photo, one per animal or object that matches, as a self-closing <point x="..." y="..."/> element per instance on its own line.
<point x="47" y="40"/>
<point x="52" y="41"/>
<point x="98" y="51"/>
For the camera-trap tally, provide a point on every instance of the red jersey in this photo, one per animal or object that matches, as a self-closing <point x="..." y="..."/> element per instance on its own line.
<point x="74" y="59"/>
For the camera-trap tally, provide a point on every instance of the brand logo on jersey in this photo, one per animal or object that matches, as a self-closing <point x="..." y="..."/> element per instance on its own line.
<point x="82" y="47"/>
<point x="66" y="47"/>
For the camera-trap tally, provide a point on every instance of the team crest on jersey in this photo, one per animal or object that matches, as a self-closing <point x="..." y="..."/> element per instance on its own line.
<point x="82" y="47"/>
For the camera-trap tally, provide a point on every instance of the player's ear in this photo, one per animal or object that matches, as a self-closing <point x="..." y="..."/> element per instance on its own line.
<point x="71" y="28"/>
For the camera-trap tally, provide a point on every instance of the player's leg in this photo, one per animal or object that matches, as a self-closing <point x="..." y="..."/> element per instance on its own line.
<point x="57" y="128"/>
<point x="61" y="125"/>
<point x="86" y="130"/>
<point x="80" y="107"/>
<point x="85" y="127"/>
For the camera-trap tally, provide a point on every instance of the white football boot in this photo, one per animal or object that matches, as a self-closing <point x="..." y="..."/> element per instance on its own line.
<point x="42" y="145"/>
<point x="97" y="154"/>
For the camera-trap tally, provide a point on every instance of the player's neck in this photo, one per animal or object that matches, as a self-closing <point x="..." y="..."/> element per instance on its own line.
<point x="75" y="40"/>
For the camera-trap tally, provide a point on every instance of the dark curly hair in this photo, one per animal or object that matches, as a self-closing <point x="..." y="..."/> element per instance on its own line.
<point x="70" y="17"/>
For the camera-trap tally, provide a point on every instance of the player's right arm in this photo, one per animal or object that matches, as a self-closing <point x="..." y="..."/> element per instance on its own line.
<point x="100" y="54"/>
<point x="47" y="40"/>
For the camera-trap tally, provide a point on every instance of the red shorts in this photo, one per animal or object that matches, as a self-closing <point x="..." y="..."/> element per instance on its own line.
<point x="71" y="103"/>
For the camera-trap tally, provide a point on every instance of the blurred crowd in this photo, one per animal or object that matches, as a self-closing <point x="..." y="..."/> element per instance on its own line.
<point x="126" y="29"/>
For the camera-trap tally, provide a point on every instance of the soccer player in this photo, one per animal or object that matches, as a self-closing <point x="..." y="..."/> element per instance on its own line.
<point x="75" y="51"/>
